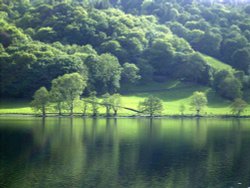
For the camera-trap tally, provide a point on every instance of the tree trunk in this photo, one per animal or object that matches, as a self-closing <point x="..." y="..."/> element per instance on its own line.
<point x="71" y="108"/>
<point x="238" y="113"/>
<point x="59" y="109"/>
<point x="84" y="111"/>
<point x="115" y="113"/>
<point x="107" y="111"/>
<point x="43" y="111"/>
<point x="198" y="113"/>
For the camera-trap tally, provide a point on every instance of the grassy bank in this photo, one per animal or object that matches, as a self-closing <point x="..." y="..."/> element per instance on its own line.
<point x="172" y="93"/>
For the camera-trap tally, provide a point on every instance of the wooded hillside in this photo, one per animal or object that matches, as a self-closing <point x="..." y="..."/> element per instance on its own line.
<point x="129" y="41"/>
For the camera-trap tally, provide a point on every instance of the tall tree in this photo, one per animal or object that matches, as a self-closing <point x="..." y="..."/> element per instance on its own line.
<point x="182" y="108"/>
<point x="93" y="100"/>
<point x="40" y="100"/>
<point x="104" y="72"/>
<point x="115" y="102"/>
<point x="106" y="101"/>
<point x="56" y="95"/>
<point x="209" y="43"/>
<point x="198" y="101"/>
<point x="69" y="87"/>
<point x="130" y="73"/>
<point x="84" y="106"/>
<point x="227" y="85"/>
<point x="238" y="106"/>
<point x="241" y="59"/>
<point x="151" y="105"/>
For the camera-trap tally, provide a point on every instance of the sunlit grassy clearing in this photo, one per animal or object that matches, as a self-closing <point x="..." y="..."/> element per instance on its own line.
<point x="172" y="93"/>
<point x="216" y="64"/>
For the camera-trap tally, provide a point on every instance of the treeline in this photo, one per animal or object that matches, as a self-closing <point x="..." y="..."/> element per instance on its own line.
<point x="41" y="40"/>
<point x="65" y="94"/>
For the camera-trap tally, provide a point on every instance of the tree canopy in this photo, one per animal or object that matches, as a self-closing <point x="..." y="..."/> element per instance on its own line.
<point x="40" y="100"/>
<point x="151" y="106"/>
<point x="68" y="87"/>
<point x="238" y="106"/>
<point x="198" y="102"/>
<point x="112" y="43"/>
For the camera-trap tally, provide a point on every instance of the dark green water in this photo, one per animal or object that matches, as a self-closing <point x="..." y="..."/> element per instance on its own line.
<point x="124" y="153"/>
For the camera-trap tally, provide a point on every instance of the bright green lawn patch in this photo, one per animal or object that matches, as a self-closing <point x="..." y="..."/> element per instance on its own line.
<point x="216" y="64"/>
<point x="180" y="94"/>
<point x="172" y="93"/>
<point x="151" y="86"/>
<point x="15" y="106"/>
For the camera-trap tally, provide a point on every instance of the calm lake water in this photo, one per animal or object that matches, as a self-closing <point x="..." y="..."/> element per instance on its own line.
<point x="110" y="153"/>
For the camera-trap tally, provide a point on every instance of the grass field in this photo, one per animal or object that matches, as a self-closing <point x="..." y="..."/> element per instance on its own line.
<point x="172" y="93"/>
<point x="216" y="64"/>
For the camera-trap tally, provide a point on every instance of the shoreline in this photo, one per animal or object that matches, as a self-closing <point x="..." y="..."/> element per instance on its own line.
<point x="76" y="115"/>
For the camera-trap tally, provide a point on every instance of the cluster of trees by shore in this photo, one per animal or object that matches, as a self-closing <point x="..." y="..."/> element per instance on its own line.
<point x="66" y="92"/>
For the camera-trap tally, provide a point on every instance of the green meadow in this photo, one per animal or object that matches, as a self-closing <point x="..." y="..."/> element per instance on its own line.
<point x="216" y="64"/>
<point x="172" y="93"/>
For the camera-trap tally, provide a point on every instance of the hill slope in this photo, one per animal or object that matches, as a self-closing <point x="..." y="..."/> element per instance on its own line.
<point x="217" y="64"/>
<point x="41" y="40"/>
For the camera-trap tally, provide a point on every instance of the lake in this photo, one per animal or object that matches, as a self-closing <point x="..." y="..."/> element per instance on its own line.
<point x="131" y="153"/>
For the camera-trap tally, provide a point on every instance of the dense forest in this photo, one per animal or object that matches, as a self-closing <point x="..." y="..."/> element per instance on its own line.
<point x="116" y="42"/>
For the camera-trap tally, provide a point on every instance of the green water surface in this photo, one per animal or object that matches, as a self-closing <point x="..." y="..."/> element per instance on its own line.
<point x="129" y="153"/>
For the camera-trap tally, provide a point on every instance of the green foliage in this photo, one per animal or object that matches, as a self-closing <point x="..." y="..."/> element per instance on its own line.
<point x="93" y="100"/>
<point x="40" y="100"/>
<point x="160" y="55"/>
<point x="172" y="93"/>
<point x="104" y="73"/>
<point x="45" y="34"/>
<point x="205" y="27"/>
<point x="227" y="85"/>
<point x="161" y="40"/>
<point x="193" y="68"/>
<point x="217" y="64"/>
<point x="182" y="109"/>
<point x="35" y="64"/>
<point x="238" y="106"/>
<point x="247" y="9"/>
<point x="241" y="59"/>
<point x="115" y="101"/>
<point x="108" y="31"/>
<point x="68" y="88"/>
<point x="56" y="95"/>
<point x="106" y="101"/>
<point x="111" y="102"/>
<point x="209" y="44"/>
<point x="84" y="106"/>
<point x="151" y="105"/>
<point x="198" y="101"/>
<point x="10" y="34"/>
<point x="130" y="73"/>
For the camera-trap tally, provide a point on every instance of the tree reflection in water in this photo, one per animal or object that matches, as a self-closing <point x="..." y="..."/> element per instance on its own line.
<point x="75" y="152"/>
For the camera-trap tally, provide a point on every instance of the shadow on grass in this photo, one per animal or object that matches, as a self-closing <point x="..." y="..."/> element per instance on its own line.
<point x="172" y="94"/>
<point x="215" y="101"/>
<point x="184" y="91"/>
<point x="14" y="103"/>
